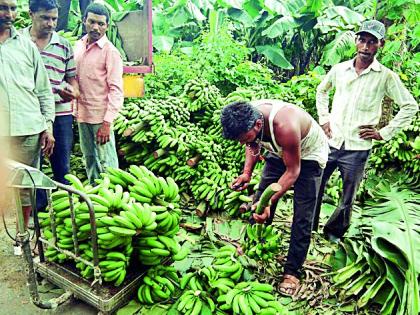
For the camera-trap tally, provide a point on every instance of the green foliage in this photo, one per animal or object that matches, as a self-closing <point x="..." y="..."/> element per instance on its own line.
<point x="303" y="91"/>
<point x="385" y="269"/>
<point x="172" y="71"/>
<point x="216" y="57"/>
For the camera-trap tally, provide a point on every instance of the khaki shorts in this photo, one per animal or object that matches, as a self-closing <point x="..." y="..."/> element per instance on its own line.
<point x="26" y="150"/>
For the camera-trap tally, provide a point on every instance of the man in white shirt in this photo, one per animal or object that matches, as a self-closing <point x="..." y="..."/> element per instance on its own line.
<point x="361" y="84"/>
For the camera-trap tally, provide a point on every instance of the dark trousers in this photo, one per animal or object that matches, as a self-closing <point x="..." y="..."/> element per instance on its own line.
<point x="306" y="190"/>
<point x="351" y="165"/>
<point x="63" y="12"/>
<point x="60" y="159"/>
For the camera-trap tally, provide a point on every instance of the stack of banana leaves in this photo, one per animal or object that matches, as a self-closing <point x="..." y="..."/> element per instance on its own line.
<point x="378" y="264"/>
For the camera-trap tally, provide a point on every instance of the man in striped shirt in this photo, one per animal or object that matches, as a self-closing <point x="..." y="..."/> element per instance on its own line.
<point x="57" y="55"/>
<point x="360" y="86"/>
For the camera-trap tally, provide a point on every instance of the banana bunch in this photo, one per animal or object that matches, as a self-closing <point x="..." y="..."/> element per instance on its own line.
<point x="150" y="188"/>
<point x="51" y="253"/>
<point x="69" y="36"/>
<point x="201" y="93"/>
<point x="114" y="266"/>
<point x="207" y="148"/>
<point x="207" y="279"/>
<point x="226" y="263"/>
<point x="146" y="119"/>
<point x="238" y="203"/>
<point x="245" y="94"/>
<point x="160" y="284"/>
<point x="193" y="281"/>
<point x="251" y="298"/>
<point x="398" y="150"/>
<point x="153" y="249"/>
<point x="213" y="185"/>
<point x="261" y="242"/>
<point x="163" y="165"/>
<point x="118" y="217"/>
<point x="193" y="301"/>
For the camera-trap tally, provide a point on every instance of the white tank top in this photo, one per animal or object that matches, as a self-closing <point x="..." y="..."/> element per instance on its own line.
<point x="314" y="146"/>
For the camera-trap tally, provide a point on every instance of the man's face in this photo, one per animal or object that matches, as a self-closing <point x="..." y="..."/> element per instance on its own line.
<point x="96" y="26"/>
<point x="367" y="46"/>
<point x="7" y="13"/>
<point x="44" y="22"/>
<point x="250" y="137"/>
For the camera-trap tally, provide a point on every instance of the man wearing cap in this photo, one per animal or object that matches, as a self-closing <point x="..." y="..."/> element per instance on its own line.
<point x="360" y="86"/>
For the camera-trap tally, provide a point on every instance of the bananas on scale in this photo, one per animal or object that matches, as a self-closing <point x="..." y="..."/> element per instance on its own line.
<point x="134" y="204"/>
<point x="249" y="298"/>
<point x="159" y="284"/>
<point x="261" y="242"/>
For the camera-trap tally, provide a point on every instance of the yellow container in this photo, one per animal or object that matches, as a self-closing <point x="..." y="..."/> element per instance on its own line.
<point x="133" y="85"/>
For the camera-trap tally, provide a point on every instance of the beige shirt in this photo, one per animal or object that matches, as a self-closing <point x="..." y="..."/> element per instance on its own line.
<point x="358" y="101"/>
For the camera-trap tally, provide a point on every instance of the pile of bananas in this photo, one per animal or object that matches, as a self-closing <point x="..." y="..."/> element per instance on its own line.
<point x="159" y="284"/>
<point x="251" y="298"/>
<point x="125" y="204"/>
<point x="174" y="139"/>
<point x="194" y="301"/>
<point x="261" y="242"/>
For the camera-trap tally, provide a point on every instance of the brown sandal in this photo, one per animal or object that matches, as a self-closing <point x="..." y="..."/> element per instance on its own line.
<point x="289" y="286"/>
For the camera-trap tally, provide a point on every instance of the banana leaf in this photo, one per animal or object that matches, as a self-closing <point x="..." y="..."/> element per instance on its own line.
<point x="386" y="241"/>
<point x="396" y="237"/>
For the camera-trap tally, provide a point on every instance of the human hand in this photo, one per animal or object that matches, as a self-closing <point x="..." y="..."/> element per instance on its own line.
<point x="368" y="132"/>
<point x="68" y="93"/>
<point x="327" y="129"/>
<point x="241" y="182"/>
<point x="260" y="218"/>
<point x="47" y="143"/>
<point x="102" y="136"/>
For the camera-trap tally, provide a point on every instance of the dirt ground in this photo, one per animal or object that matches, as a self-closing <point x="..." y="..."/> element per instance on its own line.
<point x="14" y="294"/>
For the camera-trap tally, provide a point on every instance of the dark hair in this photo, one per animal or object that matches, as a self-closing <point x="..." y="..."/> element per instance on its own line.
<point x="238" y="118"/>
<point x="97" y="8"/>
<point x="38" y="5"/>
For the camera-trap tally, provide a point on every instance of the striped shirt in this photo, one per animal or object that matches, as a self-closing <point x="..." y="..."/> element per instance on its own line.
<point x="59" y="61"/>
<point x="358" y="101"/>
